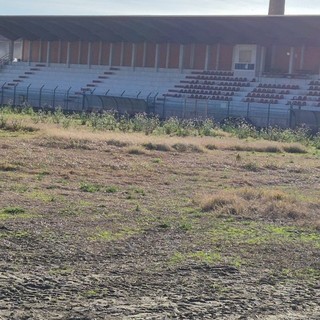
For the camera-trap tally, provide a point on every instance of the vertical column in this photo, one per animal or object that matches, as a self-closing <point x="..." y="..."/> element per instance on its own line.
<point x="89" y="54"/>
<point x="111" y="54"/>
<point x="40" y="51"/>
<point x="218" y="57"/>
<point x="100" y="53"/>
<point x="144" y="54"/>
<point x="122" y="54"/>
<point x="303" y="50"/>
<point x="68" y="54"/>
<point x="208" y="51"/>
<point x="181" y="56"/>
<point x="133" y="56"/>
<point x="11" y="48"/>
<point x="156" y="58"/>
<point x="168" y="55"/>
<point x="59" y="52"/>
<point x="273" y="56"/>
<point x="48" y="52"/>
<point x="291" y="60"/>
<point x="79" y="52"/>
<point x="262" y="60"/>
<point x="30" y="52"/>
<point x="192" y="53"/>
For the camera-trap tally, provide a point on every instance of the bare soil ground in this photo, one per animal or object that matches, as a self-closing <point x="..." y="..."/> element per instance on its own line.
<point x="100" y="227"/>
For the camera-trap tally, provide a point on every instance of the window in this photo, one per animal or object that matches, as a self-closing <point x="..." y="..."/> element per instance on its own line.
<point x="245" y="56"/>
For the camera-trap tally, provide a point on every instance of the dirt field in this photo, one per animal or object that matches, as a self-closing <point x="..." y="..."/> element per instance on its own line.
<point x="110" y="226"/>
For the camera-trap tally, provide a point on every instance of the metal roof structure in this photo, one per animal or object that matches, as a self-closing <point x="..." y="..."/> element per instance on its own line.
<point x="286" y="30"/>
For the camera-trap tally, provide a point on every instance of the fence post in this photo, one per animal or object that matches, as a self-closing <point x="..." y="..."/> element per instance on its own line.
<point x="83" y="100"/>
<point x="164" y="108"/>
<point x="207" y="107"/>
<point x="195" y="108"/>
<point x="2" y="88"/>
<point x="68" y="97"/>
<point x="268" y="118"/>
<point x="14" y="94"/>
<point x="28" y="92"/>
<point x="248" y="110"/>
<point x="54" y="97"/>
<point x="290" y="117"/>
<point x="228" y="114"/>
<point x="40" y="96"/>
<point x="184" y="108"/>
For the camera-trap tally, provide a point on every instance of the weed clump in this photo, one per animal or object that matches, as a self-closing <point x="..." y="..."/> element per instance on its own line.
<point x="267" y="204"/>
<point x="157" y="146"/>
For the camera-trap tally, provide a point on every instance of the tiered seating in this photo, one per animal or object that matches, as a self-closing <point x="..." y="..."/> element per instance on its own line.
<point x="269" y="93"/>
<point x="213" y="85"/>
<point x="313" y="95"/>
<point x="100" y="80"/>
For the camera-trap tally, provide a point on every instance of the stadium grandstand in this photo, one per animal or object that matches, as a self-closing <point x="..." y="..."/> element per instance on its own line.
<point x="265" y="68"/>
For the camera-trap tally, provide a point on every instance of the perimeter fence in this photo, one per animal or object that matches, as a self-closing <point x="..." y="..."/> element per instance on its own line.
<point x="260" y="115"/>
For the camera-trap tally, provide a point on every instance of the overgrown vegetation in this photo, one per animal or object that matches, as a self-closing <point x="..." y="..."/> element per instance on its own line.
<point x="111" y="121"/>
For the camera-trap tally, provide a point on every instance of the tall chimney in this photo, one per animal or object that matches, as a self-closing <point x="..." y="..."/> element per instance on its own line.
<point x="276" y="7"/>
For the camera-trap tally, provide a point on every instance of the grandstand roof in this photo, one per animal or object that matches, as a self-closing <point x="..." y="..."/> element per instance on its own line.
<point x="290" y="30"/>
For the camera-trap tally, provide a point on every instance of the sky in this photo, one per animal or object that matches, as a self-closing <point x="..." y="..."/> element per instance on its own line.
<point x="152" y="7"/>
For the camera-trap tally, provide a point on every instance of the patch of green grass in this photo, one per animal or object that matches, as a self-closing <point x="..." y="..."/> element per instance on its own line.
<point x="89" y="187"/>
<point x="110" y="189"/>
<point x="107" y="235"/>
<point x="12" y="210"/>
<point x="254" y="233"/>
<point x="309" y="274"/>
<point x="40" y="195"/>
<point x="92" y="188"/>
<point x="156" y="160"/>
<point x="15" y="234"/>
<point x="186" y="226"/>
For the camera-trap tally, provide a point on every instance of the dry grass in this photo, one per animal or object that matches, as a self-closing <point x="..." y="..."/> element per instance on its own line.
<point x="268" y="204"/>
<point x="118" y="215"/>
